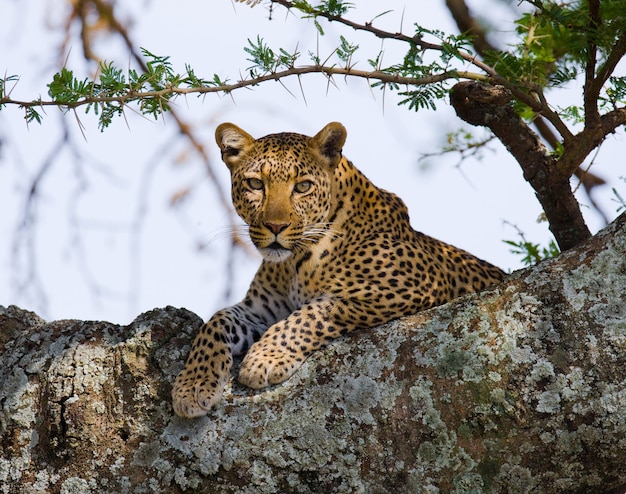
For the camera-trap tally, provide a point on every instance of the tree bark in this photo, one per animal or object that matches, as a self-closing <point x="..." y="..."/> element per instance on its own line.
<point x="521" y="388"/>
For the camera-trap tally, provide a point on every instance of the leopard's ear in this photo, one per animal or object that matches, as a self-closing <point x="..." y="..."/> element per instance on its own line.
<point x="232" y="141"/>
<point x="329" y="142"/>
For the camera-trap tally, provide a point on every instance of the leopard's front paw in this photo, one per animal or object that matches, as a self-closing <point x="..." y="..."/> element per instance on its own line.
<point x="194" y="394"/>
<point x="263" y="366"/>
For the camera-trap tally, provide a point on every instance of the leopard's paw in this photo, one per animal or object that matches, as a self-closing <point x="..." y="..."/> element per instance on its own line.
<point x="193" y="396"/>
<point x="263" y="366"/>
<point x="197" y="390"/>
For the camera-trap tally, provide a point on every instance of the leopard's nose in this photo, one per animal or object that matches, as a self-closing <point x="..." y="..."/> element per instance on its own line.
<point x="276" y="228"/>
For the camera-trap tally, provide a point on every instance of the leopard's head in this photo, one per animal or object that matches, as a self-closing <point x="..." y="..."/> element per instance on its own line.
<point x="282" y="184"/>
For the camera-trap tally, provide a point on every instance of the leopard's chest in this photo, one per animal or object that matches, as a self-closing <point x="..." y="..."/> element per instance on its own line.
<point x="313" y="275"/>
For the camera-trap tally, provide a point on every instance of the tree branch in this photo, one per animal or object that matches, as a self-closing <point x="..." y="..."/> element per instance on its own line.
<point x="368" y="27"/>
<point x="591" y="89"/>
<point x="329" y="71"/>
<point x="615" y="56"/>
<point x="520" y="388"/>
<point x="489" y="106"/>
<point x="579" y="147"/>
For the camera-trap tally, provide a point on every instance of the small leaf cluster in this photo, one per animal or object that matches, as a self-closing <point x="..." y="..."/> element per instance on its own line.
<point x="113" y="89"/>
<point x="621" y="202"/>
<point x="267" y="61"/>
<point x="415" y="65"/>
<point x="331" y="9"/>
<point x="345" y="50"/>
<point x="614" y="93"/>
<point x="533" y="253"/>
<point x="423" y="97"/>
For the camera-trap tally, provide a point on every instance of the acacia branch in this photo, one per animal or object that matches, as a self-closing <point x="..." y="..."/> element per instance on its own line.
<point x="523" y="95"/>
<point x="527" y="96"/>
<point x="368" y="27"/>
<point x="166" y="93"/>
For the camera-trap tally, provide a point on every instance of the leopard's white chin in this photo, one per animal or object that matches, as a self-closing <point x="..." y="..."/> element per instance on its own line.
<point x="275" y="255"/>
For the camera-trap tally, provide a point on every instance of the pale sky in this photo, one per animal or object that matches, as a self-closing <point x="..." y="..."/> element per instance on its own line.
<point x="109" y="245"/>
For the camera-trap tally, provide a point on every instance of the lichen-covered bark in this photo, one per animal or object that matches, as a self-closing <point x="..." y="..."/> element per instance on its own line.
<point x="519" y="389"/>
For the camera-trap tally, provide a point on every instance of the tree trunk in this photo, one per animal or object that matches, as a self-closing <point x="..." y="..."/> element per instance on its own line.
<point x="521" y="388"/>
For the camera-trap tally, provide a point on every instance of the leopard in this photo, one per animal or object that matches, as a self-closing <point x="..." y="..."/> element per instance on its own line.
<point x="338" y="254"/>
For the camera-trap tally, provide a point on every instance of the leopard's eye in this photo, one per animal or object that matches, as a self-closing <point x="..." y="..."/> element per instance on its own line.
<point x="302" y="187"/>
<point x="254" y="183"/>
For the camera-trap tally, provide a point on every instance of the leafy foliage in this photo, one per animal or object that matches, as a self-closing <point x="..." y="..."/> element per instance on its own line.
<point x="333" y="8"/>
<point x="621" y="202"/>
<point x="328" y="8"/>
<point x="113" y="89"/>
<point x="532" y="253"/>
<point x="345" y="50"/>
<point x="265" y="60"/>
<point x="615" y="93"/>
<point x="556" y="41"/>
<point x="423" y="97"/>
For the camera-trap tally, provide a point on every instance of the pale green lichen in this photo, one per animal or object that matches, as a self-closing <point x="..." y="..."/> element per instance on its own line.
<point x="542" y="369"/>
<point x="360" y="395"/>
<point x="549" y="402"/>
<point x="17" y="395"/>
<point x="76" y="485"/>
<point x="494" y="376"/>
<point x="517" y="479"/>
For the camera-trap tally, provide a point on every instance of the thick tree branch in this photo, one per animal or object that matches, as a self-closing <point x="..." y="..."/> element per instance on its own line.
<point x="489" y="106"/>
<point x="588" y="179"/>
<point x="521" y="388"/>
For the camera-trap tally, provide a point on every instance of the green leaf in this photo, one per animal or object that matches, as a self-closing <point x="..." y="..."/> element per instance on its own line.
<point x="65" y="89"/>
<point x="335" y="8"/>
<point x="532" y="253"/>
<point x="345" y="50"/>
<point x="262" y="56"/>
<point x="32" y="115"/>
<point x="423" y="97"/>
